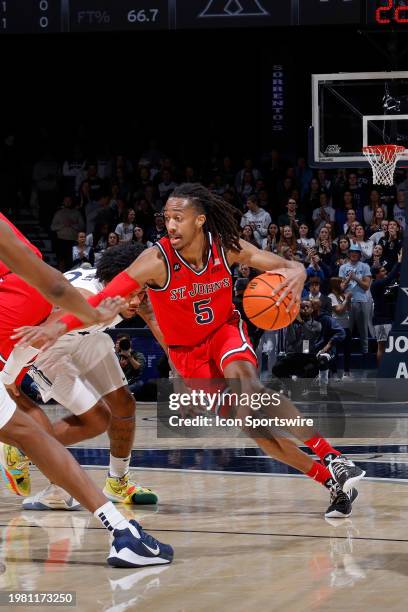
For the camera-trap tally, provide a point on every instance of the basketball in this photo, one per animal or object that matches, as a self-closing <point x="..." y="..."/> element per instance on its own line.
<point x="260" y="305"/>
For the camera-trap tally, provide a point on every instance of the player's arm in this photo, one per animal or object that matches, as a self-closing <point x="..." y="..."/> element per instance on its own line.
<point x="145" y="311"/>
<point x="48" y="281"/>
<point x="148" y="269"/>
<point x="293" y="271"/>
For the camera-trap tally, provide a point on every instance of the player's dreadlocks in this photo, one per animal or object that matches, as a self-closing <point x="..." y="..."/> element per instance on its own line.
<point x="220" y="214"/>
<point x="116" y="259"/>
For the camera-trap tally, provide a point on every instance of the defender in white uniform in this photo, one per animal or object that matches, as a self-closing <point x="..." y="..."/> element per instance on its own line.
<point x="82" y="373"/>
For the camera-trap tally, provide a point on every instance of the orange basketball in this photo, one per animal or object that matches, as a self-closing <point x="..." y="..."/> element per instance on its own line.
<point x="260" y="305"/>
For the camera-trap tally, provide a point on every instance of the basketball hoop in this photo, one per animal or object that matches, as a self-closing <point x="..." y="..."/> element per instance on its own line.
<point x="383" y="159"/>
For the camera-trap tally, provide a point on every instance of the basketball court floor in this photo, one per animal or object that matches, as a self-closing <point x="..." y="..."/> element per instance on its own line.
<point x="247" y="532"/>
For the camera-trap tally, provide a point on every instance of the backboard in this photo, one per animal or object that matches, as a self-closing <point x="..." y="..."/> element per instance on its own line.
<point x="352" y="110"/>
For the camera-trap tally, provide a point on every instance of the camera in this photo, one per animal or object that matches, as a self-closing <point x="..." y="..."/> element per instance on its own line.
<point x="124" y="344"/>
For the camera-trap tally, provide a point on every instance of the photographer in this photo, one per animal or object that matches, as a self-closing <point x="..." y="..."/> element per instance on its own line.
<point x="384" y="290"/>
<point x="310" y="343"/>
<point x="131" y="362"/>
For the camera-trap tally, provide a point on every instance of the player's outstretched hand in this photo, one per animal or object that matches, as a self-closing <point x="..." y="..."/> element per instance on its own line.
<point x="41" y="337"/>
<point x="108" y="309"/>
<point x="294" y="281"/>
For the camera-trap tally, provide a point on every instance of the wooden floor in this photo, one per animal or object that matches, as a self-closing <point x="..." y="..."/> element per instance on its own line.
<point x="243" y="541"/>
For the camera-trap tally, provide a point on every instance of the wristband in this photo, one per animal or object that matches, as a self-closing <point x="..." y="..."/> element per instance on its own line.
<point x="121" y="285"/>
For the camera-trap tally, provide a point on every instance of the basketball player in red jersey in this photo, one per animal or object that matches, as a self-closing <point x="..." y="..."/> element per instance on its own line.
<point x="131" y="546"/>
<point x="189" y="283"/>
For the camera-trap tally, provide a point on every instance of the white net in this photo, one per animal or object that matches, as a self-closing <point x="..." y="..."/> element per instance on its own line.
<point x="383" y="159"/>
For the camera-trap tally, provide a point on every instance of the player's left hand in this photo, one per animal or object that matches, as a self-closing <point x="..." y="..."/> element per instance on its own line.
<point x="41" y="337"/>
<point x="294" y="281"/>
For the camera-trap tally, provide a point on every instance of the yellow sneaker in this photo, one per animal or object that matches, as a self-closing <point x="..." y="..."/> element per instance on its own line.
<point x="14" y="467"/>
<point x="122" y="490"/>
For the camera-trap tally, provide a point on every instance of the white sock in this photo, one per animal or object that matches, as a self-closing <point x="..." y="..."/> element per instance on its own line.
<point x="118" y="466"/>
<point x="110" y="517"/>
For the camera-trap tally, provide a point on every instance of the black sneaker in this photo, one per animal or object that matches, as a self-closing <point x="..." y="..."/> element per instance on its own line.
<point x="345" y="472"/>
<point x="341" y="503"/>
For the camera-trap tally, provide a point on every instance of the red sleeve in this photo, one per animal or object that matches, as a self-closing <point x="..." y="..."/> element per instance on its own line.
<point x="121" y="285"/>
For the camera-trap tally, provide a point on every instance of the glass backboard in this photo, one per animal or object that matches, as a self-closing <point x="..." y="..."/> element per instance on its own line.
<point x="352" y="110"/>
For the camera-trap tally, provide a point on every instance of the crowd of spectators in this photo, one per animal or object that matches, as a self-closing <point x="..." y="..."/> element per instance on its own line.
<point x="346" y="232"/>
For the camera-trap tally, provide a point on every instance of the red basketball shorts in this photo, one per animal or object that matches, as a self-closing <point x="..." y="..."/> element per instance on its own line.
<point x="228" y="343"/>
<point x="20" y="305"/>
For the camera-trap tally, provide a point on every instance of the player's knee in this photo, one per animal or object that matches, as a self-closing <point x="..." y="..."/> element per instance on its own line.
<point x="97" y="420"/>
<point x="122" y="403"/>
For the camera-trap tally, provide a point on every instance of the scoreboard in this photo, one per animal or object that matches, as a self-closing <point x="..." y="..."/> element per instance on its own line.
<point x="31" y="16"/>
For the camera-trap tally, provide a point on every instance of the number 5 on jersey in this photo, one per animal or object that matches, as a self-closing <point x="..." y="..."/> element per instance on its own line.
<point x="204" y="314"/>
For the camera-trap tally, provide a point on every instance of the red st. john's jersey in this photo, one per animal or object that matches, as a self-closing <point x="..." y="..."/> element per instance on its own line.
<point x="192" y="304"/>
<point x="3" y="268"/>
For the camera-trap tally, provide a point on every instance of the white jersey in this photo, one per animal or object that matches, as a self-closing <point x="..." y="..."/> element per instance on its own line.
<point x="81" y="367"/>
<point x="85" y="278"/>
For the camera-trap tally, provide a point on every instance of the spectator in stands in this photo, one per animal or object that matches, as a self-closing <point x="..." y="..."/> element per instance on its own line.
<point x="350" y="219"/>
<point x="125" y="229"/>
<point x="291" y="217"/>
<point x="341" y="212"/>
<point x="159" y="228"/>
<point x="98" y="240"/>
<point x="138" y="236"/>
<point x="73" y="170"/>
<point x="324" y="180"/>
<point x="323" y="214"/>
<point x="247" y="188"/>
<point x="166" y="185"/>
<point x="270" y="243"/>
<point x="113" y="239"/>
<point x="316" y="267"/>
<point x="384" y="299"/>
<point x="311" y="200"/>
<point x="356" y="191"/>
<point x="341" y="253"/>
<point x="341" y="304"/>
<point x="84" y="195"/>
<point x="339" y="186"/>
<point x="366" y="246"/>
<point x="248" y="234"/>
<point x="94" y="181"/>
<point x="153" y="201"/>
<point x="304" y="240"/>
<point x="399" y="209"/>
<point x="82" y="253"/>
<point x="287" y="239"/>
<point x="392" y="243"/>
<point x="332" y="335"/>
<point x="144" y="212"/>
<point x="376" y="237"/>
<point x="325" y="247"/>
<point x="375" y="225"/>
<point x="132" y="362"/>
<point x="66" y="224"/>
<point x="284" y="190"/>
<point x="356" y="277"/>
<point x="314" y="293"/>
<point x="310" y="344"/>
<point x="258" y="218"/>
<point x="371" y="207"/>
<point x="248" y="168"/>
<point x="377" y="260"/>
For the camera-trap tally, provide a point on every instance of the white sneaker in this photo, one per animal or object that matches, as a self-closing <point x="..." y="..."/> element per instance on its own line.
<point x="346" y="376"/>
<point x="52" y="497"/>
